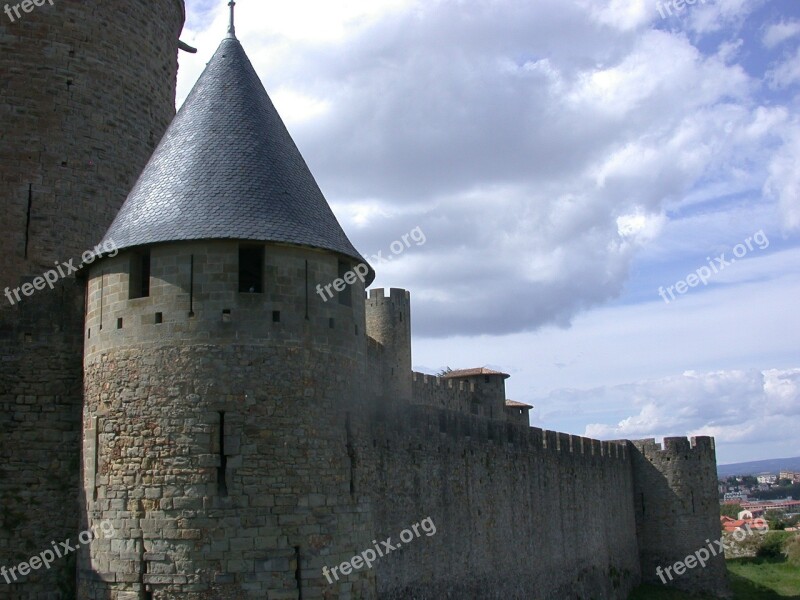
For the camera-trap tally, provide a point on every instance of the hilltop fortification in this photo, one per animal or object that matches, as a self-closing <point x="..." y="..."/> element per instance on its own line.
<point x="231" y="432"/>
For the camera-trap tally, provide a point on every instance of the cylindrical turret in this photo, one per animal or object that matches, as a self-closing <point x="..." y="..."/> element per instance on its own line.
<point x="677" y="514"/>
<point x="389" y="323"/>
<point x="225" y="367"/>
<point x="219" y="423"/>
<point x="87" y="89"/>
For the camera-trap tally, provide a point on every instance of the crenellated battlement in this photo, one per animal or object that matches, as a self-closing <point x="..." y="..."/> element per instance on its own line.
<point x="438" y="392"/>
<point x="397" y="296"/>
<point x="436" y="382"/>
<point x="428" y="421"/>
<point x="675" y="486"/>
<point x="680" y="447"/>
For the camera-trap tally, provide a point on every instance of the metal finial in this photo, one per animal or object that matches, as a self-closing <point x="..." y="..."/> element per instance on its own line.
<point x="231" y="27"/>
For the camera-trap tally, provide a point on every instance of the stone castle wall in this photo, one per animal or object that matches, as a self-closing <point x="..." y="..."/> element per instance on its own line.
<point x="238" y="443"/>
<point x="526" y="513"/>
<point x="519" y="513"/>
<point x="221" y="446"/>
<point x="88" y="89"/>
<point x="677" y="511"/>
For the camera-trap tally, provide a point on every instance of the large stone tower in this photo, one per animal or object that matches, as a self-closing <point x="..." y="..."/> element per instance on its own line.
<point x="88" y="89"/>
<point x="677" y="513"/>
<point x="389" y="324"/>
<point x="223" y="394"/>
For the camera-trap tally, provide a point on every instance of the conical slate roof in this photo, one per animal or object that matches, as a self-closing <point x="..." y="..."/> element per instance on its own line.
<point x="227" y="168"/>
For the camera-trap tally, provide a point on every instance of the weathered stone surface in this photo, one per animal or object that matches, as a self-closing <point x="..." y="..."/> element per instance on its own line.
<point x="239" y="444"/>
<point x="87" y="91"/>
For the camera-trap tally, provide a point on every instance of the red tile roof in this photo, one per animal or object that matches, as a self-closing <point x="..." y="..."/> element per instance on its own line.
<point x="473" y="372"/>
<point x="515" y="404"/>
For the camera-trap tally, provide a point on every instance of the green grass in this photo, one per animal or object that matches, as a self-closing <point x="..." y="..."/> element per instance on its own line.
<point x="769" y="578"/>
<point x="651" y="592"/>
<point x="751" y="579"/>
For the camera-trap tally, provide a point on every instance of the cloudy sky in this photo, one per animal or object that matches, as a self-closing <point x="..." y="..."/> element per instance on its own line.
<point x="609" y="192"/>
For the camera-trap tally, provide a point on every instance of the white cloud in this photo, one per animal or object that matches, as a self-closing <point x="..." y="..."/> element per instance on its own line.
<point x="558" y="154"/>
<point x="710" y="16"/>
<point x="778" y="33"/>
<point x="554" y="133"/>
<point x="295" y="107"/>
<point x="786" y="73"/>
<point x="784" y="178"/>
<point x="622" y="14"/>
<point x="733" y="406"/>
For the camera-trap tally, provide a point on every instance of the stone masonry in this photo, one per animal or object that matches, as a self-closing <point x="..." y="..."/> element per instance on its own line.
<point x="239" y="434"/>
<point x="88" y="88"/>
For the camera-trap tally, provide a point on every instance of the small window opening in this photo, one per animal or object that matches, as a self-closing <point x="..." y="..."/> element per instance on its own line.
<point x="119" y="323"/>
<point x="140" y="275"/>
<point x="331" y="323"/>
<point x="159" y="318"/>
<point x="346" y="295"/>
<point x="298" y="572"/>
<point x="276" y="316"/>
<point x="222" y="471"/>
<point x="251" y="269"/>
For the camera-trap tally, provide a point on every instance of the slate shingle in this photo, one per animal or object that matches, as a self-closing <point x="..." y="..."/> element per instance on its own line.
<point x="227" y="168"/>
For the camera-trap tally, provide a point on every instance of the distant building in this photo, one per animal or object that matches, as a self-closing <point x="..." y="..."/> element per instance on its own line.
<point x="759" y="508"/>
<point x="768" y="479"/>
<point x="735" y="496"/>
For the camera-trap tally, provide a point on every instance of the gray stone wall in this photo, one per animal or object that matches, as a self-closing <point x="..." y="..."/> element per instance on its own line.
<point x="519" y="513"/>
<point x="194" y="292"/>
<point x="87" y="91"/>
<point x="237" y="455"/>
<point x="225" y="442"/>
<point x="389" y="323"/>
<point x="457" y="396"/>
<point x="469" y="395"/>
<point x="677" y="512"/>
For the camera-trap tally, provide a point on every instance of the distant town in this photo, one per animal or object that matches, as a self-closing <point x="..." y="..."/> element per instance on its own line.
<point x="774" y="497"/>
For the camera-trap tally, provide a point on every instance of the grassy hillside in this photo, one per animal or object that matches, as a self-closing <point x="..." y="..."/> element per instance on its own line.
<point x="751" y="579"/>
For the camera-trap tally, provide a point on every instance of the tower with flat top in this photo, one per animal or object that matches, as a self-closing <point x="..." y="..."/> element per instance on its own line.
<point x="87" y="89"/>
<point x="677" y="513"/>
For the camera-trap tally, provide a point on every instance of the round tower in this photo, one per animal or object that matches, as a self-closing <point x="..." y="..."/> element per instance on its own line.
<point x="389" y="323"/>
<point x="225" y="368"/>
<point x="677" y="514"/>
<point x="87" y="90"/>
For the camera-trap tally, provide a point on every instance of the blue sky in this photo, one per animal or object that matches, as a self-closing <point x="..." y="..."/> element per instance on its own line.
<point x="566" y="160"/>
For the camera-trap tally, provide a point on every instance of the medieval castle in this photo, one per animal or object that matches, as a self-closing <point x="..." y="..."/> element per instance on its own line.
<point x="228" y="433"/>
